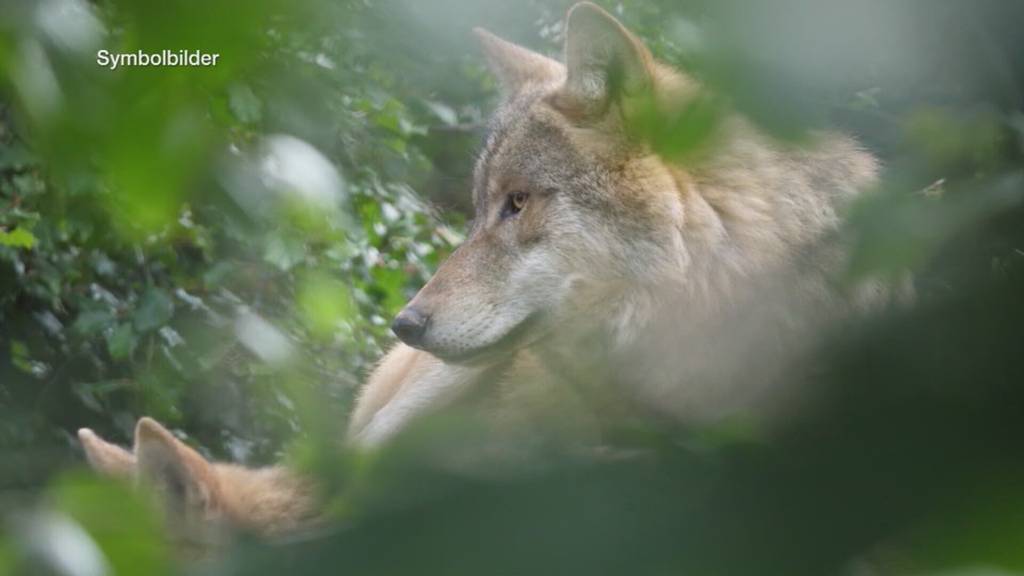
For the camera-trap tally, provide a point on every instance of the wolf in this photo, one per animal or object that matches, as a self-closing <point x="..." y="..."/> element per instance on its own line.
<point x="595" y="264"/>
<point x="205" y="503"/>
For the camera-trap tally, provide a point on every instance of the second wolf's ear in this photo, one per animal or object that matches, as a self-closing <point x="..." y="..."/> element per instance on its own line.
<point x="515" y="66"/>
<point x="604" y="61"/>
<point x="185" y="478"/>
<point x="106" y="458"/>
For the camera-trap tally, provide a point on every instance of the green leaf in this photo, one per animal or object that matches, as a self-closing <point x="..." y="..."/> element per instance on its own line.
<point x="122" y="341"/>
<point x="91" y="321"/>
<point x="155" y="310"/>
<point x="21" y="358"/>
<point x="677" y="134"/>
<point x="284" y="252"/>
<point x="443" y="112"/>
<point x="17" y="238"/>
<point x="118" y="519"/>
<point x="323" y="303"/>
<point x="218" y="274"/>
<point x="15" y="156"/>
<point x="244" y="104"/>
<point x="390" y="282"/>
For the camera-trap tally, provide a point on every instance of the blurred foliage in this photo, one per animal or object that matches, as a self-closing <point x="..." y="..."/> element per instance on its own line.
<point x="220" y="248"/>
<point x="139" y="228"/>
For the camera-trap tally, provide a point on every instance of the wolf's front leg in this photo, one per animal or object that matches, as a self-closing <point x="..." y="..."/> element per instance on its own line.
<point x="406" y="384"/>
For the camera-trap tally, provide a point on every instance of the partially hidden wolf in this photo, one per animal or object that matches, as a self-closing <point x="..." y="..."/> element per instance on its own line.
<point x="594" y="263"/>
<point x="204" y="502"/>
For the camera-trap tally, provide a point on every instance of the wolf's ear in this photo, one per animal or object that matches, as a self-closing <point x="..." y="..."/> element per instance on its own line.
<point x="515" y="66"/>
<point x="604" y="62"/>
<point x="106" y="458"/>
<point x="185" y="478"/>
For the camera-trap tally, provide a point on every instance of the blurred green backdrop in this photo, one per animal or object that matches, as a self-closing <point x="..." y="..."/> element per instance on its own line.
<point x="222" y="248"/>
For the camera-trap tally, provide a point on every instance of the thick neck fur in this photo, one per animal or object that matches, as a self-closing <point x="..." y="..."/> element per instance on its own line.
<point x="744" y="266"/>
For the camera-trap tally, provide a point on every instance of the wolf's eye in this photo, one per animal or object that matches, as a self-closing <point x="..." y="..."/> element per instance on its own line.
<point x="515" y="204"/>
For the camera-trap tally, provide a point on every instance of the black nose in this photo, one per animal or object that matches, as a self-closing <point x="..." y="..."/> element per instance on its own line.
<point x="409" y="326"/>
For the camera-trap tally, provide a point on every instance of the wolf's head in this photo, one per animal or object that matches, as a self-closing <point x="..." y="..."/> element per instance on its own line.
<point x="203" y="502"/>
<point x="564" y="200"/>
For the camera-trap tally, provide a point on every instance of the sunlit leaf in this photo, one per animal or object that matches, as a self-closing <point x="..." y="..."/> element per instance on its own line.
<point x="17" y="238"/>
<point x="323" y="303"/>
